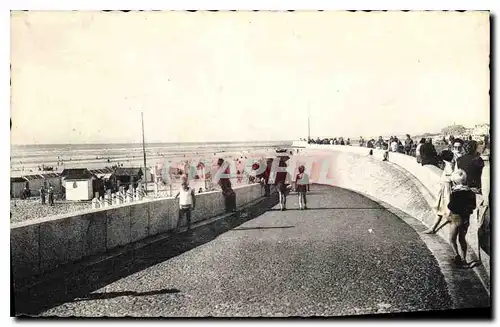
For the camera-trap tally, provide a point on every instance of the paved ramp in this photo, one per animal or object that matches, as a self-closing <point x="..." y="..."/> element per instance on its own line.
<point x="345" y="255"/>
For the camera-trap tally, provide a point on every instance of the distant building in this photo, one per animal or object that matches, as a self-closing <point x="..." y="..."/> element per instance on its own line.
<point x="78" y="184"/>
<point x="481" y="130"/>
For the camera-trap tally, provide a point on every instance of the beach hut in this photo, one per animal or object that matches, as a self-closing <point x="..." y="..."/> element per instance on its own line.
<point x="127" y="176"/>
<point x="17" y="185"/>
<point x="105" y="179"/>
<point x="36" y="181"/>
<point x="78" y="184"/>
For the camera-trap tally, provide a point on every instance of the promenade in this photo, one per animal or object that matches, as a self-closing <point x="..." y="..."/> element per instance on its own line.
<point x="345" y="255"/>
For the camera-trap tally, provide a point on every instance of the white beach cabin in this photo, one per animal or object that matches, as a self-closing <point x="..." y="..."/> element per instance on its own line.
<point x="78" y="183"/>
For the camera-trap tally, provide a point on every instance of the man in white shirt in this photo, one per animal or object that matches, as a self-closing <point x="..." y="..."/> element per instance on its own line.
<point x="187" y="202"/>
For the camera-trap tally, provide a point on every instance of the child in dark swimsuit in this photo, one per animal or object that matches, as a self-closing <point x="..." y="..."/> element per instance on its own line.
<point x="462" y="204"/>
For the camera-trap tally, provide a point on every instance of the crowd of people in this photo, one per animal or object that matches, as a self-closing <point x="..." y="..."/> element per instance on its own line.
<point x="334" y="140"/>
<point x="280" y="179"/>
<point x="460" y="194"/>
<point x="424" y="149"/>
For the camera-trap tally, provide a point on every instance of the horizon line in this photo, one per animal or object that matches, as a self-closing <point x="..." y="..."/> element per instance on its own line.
<point x="126" y="143"/>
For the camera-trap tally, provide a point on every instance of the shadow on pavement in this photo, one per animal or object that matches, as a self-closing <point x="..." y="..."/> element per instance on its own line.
<point x="79" y="284"/>
<point x="250" y="228"/>
<point x="333" y="208"/>
<point x="111" y="295"/>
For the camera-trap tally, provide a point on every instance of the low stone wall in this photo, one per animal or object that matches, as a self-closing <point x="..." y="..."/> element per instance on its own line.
<point x="400" y="182"/>
<point x="40" y="245"/>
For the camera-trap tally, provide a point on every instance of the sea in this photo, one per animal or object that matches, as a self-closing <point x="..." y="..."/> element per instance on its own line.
<point x="31" y="158"/>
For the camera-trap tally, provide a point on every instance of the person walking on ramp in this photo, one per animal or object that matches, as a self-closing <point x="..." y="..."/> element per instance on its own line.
<point x="301" y="184"/>
<point x="443" y="197"/>
<point x="187" y="203"/>
<point x="280" y="182"/>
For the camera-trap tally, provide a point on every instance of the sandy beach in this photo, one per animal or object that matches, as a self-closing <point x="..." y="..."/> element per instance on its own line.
<point x="20" y="167"/>
<point x="32" y="208"/>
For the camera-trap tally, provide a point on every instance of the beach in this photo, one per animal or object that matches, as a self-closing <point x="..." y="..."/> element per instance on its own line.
<point x="26" y="160"/>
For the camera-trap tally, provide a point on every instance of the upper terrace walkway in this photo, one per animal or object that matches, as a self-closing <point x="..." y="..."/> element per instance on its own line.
<point x="345" y="255"/>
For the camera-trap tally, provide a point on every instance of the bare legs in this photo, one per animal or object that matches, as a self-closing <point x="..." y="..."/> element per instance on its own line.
<point x="459" y="231"/>
<point x="453" y="240"/>
<point x="435" y="228"/>
<point x="302" y="200"/>
<point x="462" y="231"/>
<point x="282" y="200"/>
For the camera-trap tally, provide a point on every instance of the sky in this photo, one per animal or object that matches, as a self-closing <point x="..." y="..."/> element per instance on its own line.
<point x="85" y="77"/>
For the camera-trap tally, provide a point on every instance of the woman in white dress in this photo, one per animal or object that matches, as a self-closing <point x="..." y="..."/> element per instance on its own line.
<point x="443" y="196"/>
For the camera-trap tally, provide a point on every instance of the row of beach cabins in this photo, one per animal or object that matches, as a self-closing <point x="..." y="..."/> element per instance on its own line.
<point x="77" y="184"/>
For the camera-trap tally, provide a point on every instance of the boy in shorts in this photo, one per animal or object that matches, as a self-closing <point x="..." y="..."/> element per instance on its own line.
<point x="301" y="184"/>
<point x="462" y="204"/>
<point x="280" y="182"/>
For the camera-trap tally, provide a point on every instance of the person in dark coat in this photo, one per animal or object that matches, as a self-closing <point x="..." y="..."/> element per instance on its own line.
<point x="473" y="166"/>
<point x="428" y="153"/>
<point x="227" y="190"/>
<point x="408" y="144"/>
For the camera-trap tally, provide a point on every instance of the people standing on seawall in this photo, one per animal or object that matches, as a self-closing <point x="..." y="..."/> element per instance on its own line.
<point x="451" y="141"/>
<point x="226" y="187"/>
<point x="361" y="141"/>
<point x="408" y="144"/>
<point x="443" y="197"/>
<point x="401" y="147"/>
<point x="428" y="154"/>
<point x="265" y="178"/>
<point x="348" y="142"/>
<point x="394" y="144"/>
<point x="187" y="203"/>
<point x="370" y="144"/>
<point x="486" y="147"/>
<point x="457" y="149"/>
<point x="42" y="194"/>
<point x="380" y="143"/>
<point x="472" y="163"/>
<point x="462" y="204"/>
<point x="301" y="183"/>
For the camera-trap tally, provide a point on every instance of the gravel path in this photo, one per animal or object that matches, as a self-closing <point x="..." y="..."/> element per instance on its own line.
<point x="346" y="255"/>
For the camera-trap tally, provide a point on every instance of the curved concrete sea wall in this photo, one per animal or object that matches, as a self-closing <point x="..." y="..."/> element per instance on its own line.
<point x="401" y="182"/>
<point x="41" y="245"/>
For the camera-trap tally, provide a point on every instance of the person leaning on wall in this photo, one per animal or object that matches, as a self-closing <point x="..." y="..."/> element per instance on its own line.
<point x="226" y="187"/>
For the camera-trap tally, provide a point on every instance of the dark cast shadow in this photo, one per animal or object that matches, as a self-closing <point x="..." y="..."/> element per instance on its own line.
<point x="69" y="285"/>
